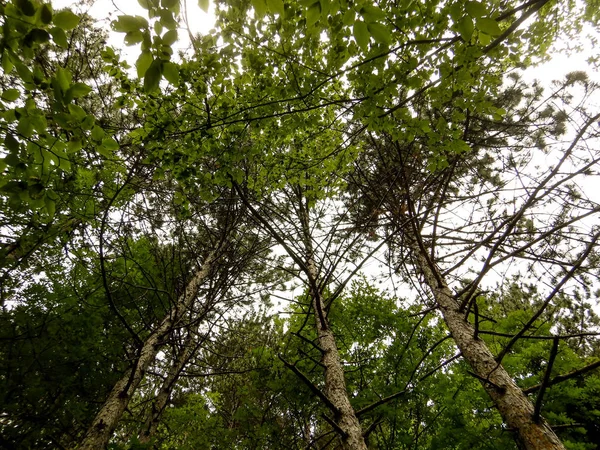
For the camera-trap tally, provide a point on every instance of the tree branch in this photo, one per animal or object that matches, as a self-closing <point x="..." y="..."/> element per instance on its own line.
<point x="560" y="378"/>
<point x="315" y="390"/>
<point x="544" y="385"/>
<point x="372" y="406"/>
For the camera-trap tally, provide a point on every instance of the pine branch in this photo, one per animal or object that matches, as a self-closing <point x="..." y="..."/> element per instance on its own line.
<point x="544" y="385"/>
<point x="560" y="378"/>
<point x="315" y="390"/>
<point x="372" y="406"/>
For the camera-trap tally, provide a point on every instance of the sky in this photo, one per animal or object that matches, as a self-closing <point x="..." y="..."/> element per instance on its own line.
<point x="108" y="10"/>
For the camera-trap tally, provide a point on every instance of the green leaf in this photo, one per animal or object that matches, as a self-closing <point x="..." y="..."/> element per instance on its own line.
<point x="260" y="7"/>
<point x="36" y="190"/>
<point x="64" y="77"/>
<point x="134" y="37"/>
<point x="26" y="6"/>
<point x="456" y="12"/>
<point x="143" y="63"/>
<point x="144" y="4"/>
<point x="10" y="95"/>
<point x="380" y="32"/>
<point x="361" y="35"/>
<point x="484" y="39"/>
<point x="465" y="28"/>
<point x="372" y="13"/>
<point x="38" y="35"/>
<point x="152" y="76"/>
<point x="169" y="3"/>
<point x="110" y="143"/>
<point x="203" y="4"/>
<point x="78" y="90"/>
<point x="460" y="146"/>
<point x="46" y="14"/>
<point x="7" y="64"/>
<point x="60" y="37"/>
<point x="77" y="112"/>
<point x="167" y="19"/>
<point x="74" y="146"/>
<point x="39" y="123"/>
<point x="64" y="163"/>
<point x="127" y="24"/>
<point x="170" y="37"/>
<point x="348" y="18"/>
<point x="50" y="206"/>
<point x="25" y="127"/>
<point x="313" y="14"/>
<point x="476" y="9"/>
<point x="276" y="6"/>
<point x="489" y="26"/>
<point x="171" y="73"/>
<point x="97" y="133"/>
<point x="11" y="143"/>
<point x="66" y="20"/>
<point x="24" y="72"/>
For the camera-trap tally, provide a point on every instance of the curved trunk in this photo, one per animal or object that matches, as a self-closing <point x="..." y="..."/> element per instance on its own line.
<point x="112" y="410"/>
<point x="516" y="410"/>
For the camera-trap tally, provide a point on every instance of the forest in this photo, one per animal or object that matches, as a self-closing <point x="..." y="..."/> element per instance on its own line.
<point x="323" y="224"/>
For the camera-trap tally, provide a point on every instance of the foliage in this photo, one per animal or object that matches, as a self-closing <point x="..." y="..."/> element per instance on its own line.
<point x="344" y="132"/>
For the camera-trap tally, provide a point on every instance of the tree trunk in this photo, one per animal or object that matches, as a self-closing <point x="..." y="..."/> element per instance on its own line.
<point x="160" y="402"/>
<point x="516" y="410"/>
<point x="106" y="420"/>
<point x="345" y="420"/>
<point x="335" y="380"/>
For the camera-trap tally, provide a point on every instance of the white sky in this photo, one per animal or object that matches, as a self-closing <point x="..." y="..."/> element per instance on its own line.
<point x="108" y="10"/>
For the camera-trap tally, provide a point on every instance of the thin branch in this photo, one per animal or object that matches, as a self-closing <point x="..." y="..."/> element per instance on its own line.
<point x="371" y="427"/>
<point x="544" y="385"/>
<point x="486" y="381"/>
<point x="541" y="338"/>
<point x="536" y="7"/>
<point x="335" y="426"/>
<point x="308" y="341"/>
<point x="567" y="425"/>
<point x="560" y="378"/>
<point x="552" y="294"/>
<point x="445" y="363"/>
<point x="315" y="390"/>
<point x="372" y="406"/>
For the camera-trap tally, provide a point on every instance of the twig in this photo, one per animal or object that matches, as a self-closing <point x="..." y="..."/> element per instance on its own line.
<point x="538" y="401"/>
<point x="335" y="426"/>
<point x="372" y="406"/>
<point x="486" y="381"/>
<point x="560" y="378"/>
<point x="315" y="390"/>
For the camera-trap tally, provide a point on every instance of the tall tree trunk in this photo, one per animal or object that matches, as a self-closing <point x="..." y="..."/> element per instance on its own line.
<point x="345" y="419"/>
<point x="516" y="410"/>
<point x="335" y="379"/>
<point x="106" y="420"/>
<point x="160" y="401"/>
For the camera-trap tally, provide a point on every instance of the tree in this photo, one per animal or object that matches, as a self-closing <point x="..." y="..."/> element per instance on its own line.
<point x="417" y="203"/>
<point x="335" y="130"/>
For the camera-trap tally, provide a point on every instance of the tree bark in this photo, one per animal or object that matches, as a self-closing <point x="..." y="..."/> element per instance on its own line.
<point x="345" y="420"/>
<point x="106" y="420"/>
<point x="514" y="407"/>
<point x="335" y="380"/>
<point x="161" y="399"/>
